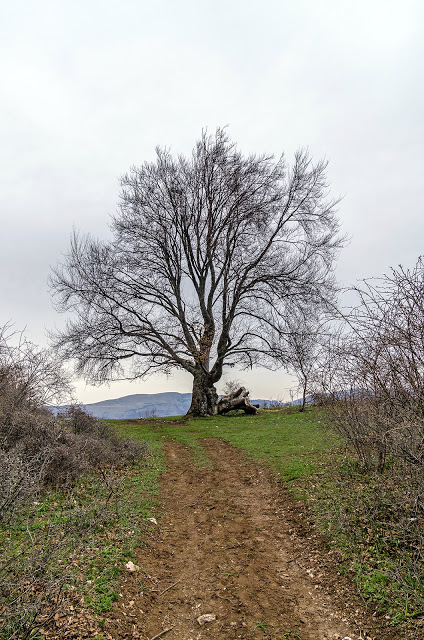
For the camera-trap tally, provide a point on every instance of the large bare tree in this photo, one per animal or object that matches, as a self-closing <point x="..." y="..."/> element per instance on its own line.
<point x="207" y="253"/>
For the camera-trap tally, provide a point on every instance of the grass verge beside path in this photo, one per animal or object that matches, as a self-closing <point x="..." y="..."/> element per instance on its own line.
<point x="63" y="554"/>
<point x="379" y="543"/>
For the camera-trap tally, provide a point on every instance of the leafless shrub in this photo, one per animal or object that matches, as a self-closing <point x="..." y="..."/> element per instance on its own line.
<point x="36" y="448"/>
<point x="231" y="386"/>
<point x="48" y="452"/>
<point x="18" y="483"/>
<point x="40" y="451"/>
<point x="97" y="440"/>
<point x="30" y="377"/>
<point x="128" y="451"/>
<point x="81" y="422"/>
<point x="30" y="439"/>
<point x="37" y="452"/>
<point x="373" y="374"/>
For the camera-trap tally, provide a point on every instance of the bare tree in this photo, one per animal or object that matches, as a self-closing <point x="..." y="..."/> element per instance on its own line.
<point x="231" y="386"/>
<point x="299" y="344"/>
<point x="206" y="254"/>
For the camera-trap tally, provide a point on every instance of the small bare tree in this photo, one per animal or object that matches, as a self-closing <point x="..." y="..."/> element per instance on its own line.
<point x="207" y="253"/>
<point x="231" y="386"/>
<point x="299" y="344"/>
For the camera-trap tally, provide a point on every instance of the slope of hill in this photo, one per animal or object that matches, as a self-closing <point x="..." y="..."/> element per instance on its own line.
<point x="142" y="405"/>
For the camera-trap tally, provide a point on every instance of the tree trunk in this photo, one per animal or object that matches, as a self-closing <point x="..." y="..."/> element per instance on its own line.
<point x="237" y="400"/>
<point x="302" y="406"/>
<point x="205" y="398"/>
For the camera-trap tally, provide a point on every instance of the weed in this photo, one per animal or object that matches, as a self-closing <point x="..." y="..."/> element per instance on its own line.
<point x="262" y="625"/>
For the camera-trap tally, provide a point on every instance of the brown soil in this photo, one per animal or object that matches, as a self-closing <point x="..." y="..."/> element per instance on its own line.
<point x="232" y="544"/>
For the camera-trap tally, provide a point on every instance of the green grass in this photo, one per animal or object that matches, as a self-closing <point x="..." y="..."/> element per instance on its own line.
<point x="377" y="534"/>
<point x="87" y="533"/>
<point x="137" y="501"/>
<point x="291" y="442"/>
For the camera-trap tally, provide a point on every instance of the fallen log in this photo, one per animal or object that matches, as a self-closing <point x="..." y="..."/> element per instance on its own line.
<point x="238" y="400"/>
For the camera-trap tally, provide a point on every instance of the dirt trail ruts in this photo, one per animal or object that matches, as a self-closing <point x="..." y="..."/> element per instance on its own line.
<point x="231" y="544"/>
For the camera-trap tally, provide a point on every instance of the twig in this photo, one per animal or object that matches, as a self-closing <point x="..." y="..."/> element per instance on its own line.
<point x="32" y="539"/>
<point x="162" y="633"/>
<point x="170" y="587"/>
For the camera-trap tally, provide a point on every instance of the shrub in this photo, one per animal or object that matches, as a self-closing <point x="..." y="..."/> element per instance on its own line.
<point x="373" y="377"/>
<point x="39" y="451"/>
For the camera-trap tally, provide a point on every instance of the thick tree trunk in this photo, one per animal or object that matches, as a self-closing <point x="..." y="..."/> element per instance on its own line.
<point x="205" y="398"/>
<point x="237" y="400"/>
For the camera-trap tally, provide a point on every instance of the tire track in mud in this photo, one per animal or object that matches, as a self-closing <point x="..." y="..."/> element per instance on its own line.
<point x="233" y="545"/>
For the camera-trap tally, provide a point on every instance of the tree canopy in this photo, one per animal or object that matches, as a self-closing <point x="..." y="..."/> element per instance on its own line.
<point x="208" y="256"/>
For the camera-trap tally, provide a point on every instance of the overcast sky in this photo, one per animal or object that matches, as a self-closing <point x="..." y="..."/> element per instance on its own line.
<point x="90" y="88"/>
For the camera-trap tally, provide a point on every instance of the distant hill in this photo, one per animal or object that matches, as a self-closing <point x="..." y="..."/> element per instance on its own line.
<point x="298" y="401"/>
<point x="143" y="405"/>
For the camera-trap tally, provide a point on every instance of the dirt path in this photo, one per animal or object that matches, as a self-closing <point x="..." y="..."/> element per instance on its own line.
<point x="233" y="546"/>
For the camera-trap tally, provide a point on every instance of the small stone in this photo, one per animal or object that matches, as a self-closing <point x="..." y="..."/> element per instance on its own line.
<point x="205" y="618"/>
<point x="132" y="567"/>
<point x="153" y="520"/>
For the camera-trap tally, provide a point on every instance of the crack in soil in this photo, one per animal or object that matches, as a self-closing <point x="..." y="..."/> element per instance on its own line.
<point x="233" y="545"/>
